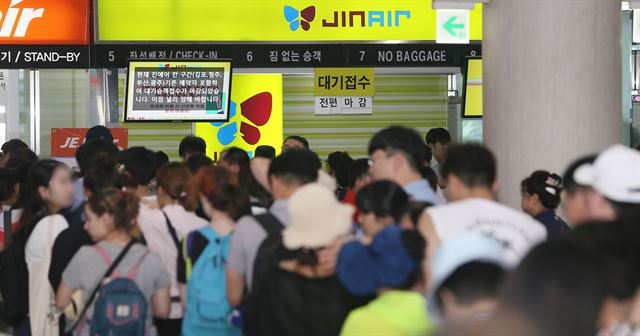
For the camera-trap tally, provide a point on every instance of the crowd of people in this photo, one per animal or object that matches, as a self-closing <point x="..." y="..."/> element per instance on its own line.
<point x="409" y="241"/>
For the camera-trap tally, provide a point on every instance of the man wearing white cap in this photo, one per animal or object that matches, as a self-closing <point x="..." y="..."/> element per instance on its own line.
<point x="615" y="179"/>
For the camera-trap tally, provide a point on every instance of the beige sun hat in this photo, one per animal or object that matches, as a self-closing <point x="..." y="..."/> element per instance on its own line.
<point x="316" y="218"/>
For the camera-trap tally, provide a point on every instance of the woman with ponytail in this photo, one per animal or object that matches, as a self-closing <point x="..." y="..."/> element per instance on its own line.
<point x="541" y="197"/>
<point x="204" y="252"/>
<point x="163" y="229"/>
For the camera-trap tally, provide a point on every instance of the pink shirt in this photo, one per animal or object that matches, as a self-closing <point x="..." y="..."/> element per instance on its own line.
<point x="154" y="228"/>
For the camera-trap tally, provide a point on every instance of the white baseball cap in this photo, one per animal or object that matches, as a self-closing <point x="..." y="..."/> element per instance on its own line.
<point x="455" y="253"/>
<point x="615" y="174"/>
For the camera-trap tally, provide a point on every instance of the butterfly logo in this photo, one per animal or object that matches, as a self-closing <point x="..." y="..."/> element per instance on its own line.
<point x="254" y="112"/>
<point x="298" y="18"/>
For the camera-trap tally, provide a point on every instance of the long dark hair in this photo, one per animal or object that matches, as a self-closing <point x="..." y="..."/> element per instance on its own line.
<point x="34" y="207"/>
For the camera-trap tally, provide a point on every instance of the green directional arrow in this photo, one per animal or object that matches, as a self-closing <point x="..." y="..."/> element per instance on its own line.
<point x="449" y="26"/>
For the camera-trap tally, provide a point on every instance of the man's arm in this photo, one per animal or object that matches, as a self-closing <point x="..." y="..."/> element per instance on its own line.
<point x="428" y="231"/>
<point x="237" y="264"/>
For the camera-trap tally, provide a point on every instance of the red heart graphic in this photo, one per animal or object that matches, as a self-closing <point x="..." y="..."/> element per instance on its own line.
<point x="257" y="108"/>
<point x="250" y="134"/>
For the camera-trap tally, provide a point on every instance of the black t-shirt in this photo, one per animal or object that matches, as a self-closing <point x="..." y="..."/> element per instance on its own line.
<point x="67" y="245"/>
<point x="197" y="246"/>
<point x="296" y="305"/>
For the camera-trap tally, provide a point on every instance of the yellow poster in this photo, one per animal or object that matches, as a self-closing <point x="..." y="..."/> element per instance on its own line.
<point x="344" y="82"/>
<point x="272" y="20"/>
<point x="473" y="90"/>
<point x="255" y="116"/>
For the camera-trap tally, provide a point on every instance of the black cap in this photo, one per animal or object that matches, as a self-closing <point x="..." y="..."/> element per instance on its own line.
<point x="99" y="132"/>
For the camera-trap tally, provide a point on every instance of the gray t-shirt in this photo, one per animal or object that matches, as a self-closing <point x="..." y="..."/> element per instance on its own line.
<point x="248" y="235"/>
<point x="88" y="266"/>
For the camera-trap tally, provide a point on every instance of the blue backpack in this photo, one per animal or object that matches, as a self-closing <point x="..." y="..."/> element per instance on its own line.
<point x="207" y="311"/>
<point x="121" y="308"/>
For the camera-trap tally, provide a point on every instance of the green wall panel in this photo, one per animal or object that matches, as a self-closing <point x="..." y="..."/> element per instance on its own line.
<point x="418" y="101"/>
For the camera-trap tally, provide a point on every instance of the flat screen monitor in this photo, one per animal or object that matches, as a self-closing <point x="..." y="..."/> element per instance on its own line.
<point x="178" y="91"/>
<point x="472" y="100"/>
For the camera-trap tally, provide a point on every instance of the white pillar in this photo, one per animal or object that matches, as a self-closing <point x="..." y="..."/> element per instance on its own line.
<point x="552" y="84"/>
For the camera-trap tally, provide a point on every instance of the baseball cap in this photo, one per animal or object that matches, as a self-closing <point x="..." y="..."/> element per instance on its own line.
<point x="99" y="132"/>
<point x="615" y="174"/>
<point x="386" y="263"/>
<point x="455" y="253"/>
<point x="316" y="218"/>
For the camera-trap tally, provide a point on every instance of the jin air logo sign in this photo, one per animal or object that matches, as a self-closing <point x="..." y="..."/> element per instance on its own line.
<point x="299" y="19"/>
<point x="345" y="18"/>
<point x="44" y="22"/>
<point x="15" y="21"/>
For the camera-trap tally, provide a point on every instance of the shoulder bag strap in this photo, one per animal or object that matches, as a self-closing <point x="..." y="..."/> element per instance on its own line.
<point x="95" y="290"/>
<point x="270" y="223"/>
<point x="172" y="230"/>
<point x="7" y="227"/>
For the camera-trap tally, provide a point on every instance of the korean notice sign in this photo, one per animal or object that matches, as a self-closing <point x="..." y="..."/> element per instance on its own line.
<point x="344" y="82"/>
<point x="178" y="91"/>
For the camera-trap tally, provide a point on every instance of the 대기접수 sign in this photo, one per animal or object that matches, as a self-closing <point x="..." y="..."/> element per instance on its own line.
<point x="178" y="91"/>
<point x="349" y="82"/>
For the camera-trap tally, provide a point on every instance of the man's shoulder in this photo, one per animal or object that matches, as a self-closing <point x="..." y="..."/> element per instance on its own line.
<point x="248" y="226"/>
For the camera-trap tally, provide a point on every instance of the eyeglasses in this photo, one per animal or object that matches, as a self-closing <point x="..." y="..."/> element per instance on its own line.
<point x="387" y="154"/>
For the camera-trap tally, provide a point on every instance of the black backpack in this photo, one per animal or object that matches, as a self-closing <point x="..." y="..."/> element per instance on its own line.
<point x="264" y="262"/>
<point x="14" y="281"/>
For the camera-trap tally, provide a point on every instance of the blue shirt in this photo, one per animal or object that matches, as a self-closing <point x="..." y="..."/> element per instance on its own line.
<point x="420" y="191"/>
<point x="555" y="226"/>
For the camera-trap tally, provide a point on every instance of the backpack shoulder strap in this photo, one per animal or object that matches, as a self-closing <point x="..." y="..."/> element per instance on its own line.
<point x="107" y="274"/>
<point x="187" y="243"/>
<point x="209" y="233"/>
<point x="103" y="253"/>
<point x="134" y="270"/>
<point x="172" y="230"/>
<point x="270" y="224"/>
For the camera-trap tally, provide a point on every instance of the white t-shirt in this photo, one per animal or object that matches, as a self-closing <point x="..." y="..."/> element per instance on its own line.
<point x="154" y="228"/>
<point x="38" y="258"/>
<point x="516" y="231"/>
<point x="35" y="250"/>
